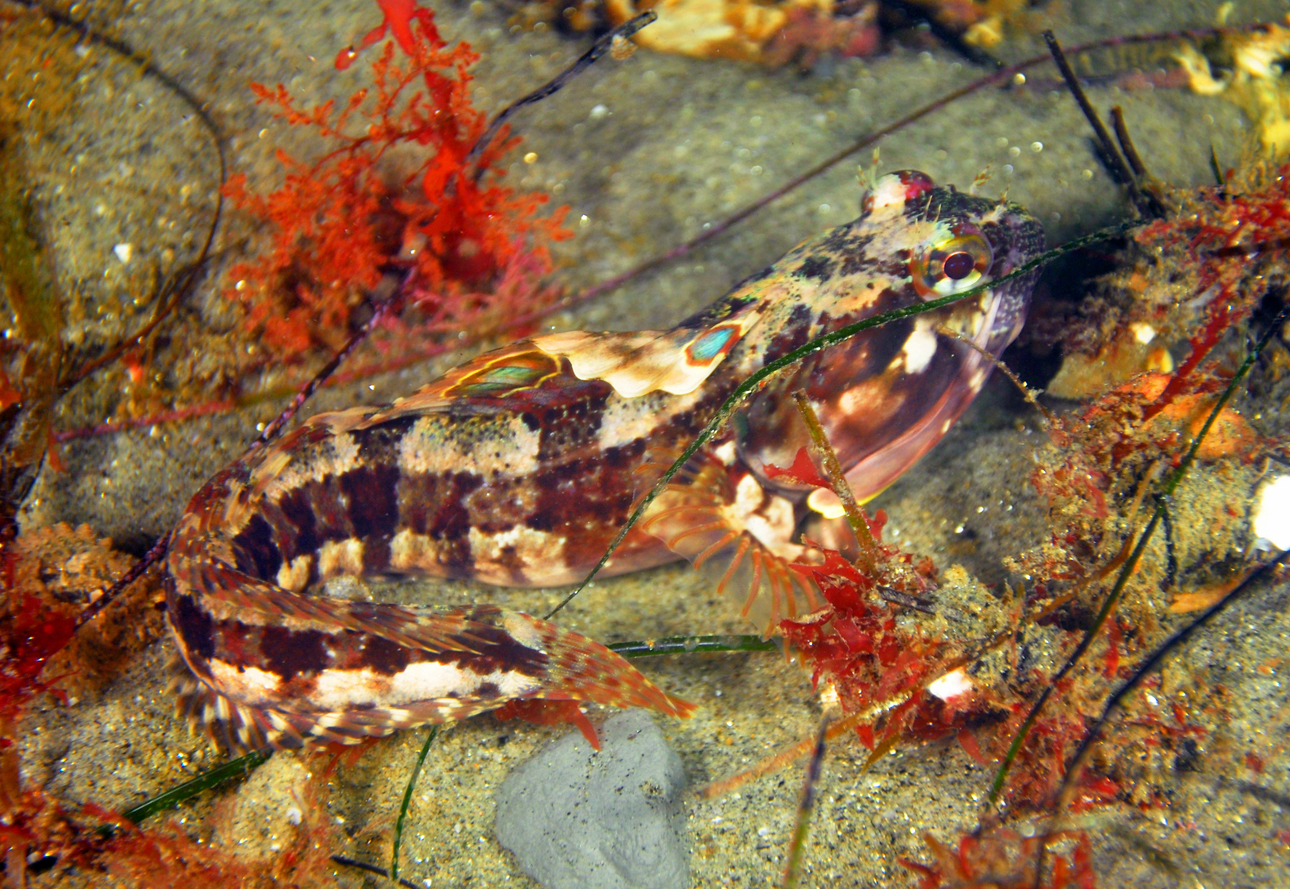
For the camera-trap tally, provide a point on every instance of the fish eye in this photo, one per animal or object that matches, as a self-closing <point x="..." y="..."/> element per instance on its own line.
<point x="959" y="265"/>
<point x="953" y="264"/>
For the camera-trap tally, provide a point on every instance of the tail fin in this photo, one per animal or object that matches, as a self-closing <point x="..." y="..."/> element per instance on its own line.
<point x="579" y="669"/>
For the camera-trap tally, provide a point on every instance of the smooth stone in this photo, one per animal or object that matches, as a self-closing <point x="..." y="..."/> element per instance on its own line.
<point x="577" y="819"/>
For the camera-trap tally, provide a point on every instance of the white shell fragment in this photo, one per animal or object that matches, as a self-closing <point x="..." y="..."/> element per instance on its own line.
<point x="1271" y="522"/>
<point x="951" y="685"/>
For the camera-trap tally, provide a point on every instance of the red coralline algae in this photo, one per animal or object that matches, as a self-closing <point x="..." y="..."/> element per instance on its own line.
<point x="1233" y="236"/>
<point x="479" y="250"/>
<point x="999" y="859"/>
<point x="886" y="671"/>
<point x="855" y="644"/>
<point x="31" y="635"/>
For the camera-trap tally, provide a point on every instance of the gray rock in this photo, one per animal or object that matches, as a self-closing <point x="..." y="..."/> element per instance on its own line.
<point x="577" y="819"/>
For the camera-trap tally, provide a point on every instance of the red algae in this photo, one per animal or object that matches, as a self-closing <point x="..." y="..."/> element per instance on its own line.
<point x="885" y="668"/>
<point x="857" y="646"/>
<point x="479" y="250"/>
<point x="878" y="659"/>
<point x="999" y="859"/>
<point x="399" y="15"/>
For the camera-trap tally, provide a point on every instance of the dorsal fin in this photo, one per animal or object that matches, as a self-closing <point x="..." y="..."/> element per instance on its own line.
<point x="495" y="374"/>
<point x="640" y="362"/>
<point x="634" y="363"/>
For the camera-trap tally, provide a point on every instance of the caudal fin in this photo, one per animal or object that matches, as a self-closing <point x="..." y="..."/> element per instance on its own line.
<point x="582" y="670"/>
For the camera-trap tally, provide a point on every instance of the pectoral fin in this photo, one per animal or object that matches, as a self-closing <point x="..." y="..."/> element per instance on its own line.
<point x="740" y="537"/>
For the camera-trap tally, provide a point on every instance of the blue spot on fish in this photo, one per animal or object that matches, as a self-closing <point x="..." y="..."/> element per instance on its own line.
<point x="710" y="345"/>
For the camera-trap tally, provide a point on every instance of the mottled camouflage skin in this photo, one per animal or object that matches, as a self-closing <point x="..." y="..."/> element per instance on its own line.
<point x="519" y="467"/>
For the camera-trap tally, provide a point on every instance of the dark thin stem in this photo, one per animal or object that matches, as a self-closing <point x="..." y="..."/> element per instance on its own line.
<point x="1215" y="167"/>
<point x="905" y="600"/>
<point x="1128" y="172"/>
<point x="1131" y="563"/>
<point x="199" y="109"/>
<point x="755" y="380"/>
<point x="557" y="83"/>
<point x="236" y="768"/>
<point x="868" y="556"/>
<point x="270" y="432"/>
<point x="691" y="645"/>
<point x="1147" y="667"/>
<point x="1119" y="167"/>
<point x="719" y="228"/>
<point x="802" y="827"/>
<point x="1171" y="557"/>
<point x="389" y="307"/>
<point x="170" y="294"/>
<point x="120" y="47"/>
<point x="149" y="559"/>
<point x="998" y="78"/>
<point x="373" y="869"/>
<point x="407" y="801"/>
<point x="1126" y="142"/>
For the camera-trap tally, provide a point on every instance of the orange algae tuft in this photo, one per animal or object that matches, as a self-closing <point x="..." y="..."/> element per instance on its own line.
<point x="45" y="578"/>
<point x="166" y="856"/>
<point x="337" y="225"/>
<point x="63" y="570"/>
<point x="999" y="859"/>
<point x="544" y="712"/>
<point x="102" y="846"/>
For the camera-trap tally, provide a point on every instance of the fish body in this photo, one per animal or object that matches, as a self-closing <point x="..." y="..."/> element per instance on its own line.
<point x="518" y="467"/>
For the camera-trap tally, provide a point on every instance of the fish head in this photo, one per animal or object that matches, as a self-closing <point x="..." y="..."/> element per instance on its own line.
<point x="889" y="393"/>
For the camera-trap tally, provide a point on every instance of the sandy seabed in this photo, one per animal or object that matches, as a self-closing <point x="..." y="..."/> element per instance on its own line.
<point x="646" y="152"/>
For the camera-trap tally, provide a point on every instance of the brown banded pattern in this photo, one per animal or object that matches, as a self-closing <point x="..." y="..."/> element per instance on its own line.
<point x="518" y="467"/>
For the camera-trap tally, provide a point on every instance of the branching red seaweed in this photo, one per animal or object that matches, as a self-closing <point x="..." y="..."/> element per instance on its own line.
<point x="1002" y="859"/>
<point x="480" y="249"/>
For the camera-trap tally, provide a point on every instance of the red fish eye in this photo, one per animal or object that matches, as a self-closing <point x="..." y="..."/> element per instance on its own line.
<point x="959" y="265"/>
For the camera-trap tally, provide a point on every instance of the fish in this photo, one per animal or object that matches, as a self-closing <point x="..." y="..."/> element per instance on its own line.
<point x="518" y="468"/>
